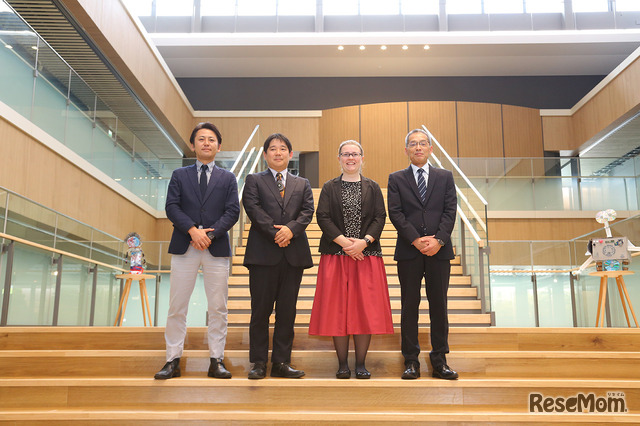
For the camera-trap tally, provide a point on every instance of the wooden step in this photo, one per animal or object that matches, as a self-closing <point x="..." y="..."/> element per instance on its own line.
<point x="388" y="260"/>
<point x="315" y="234"/>
<point x="310" y="279"/>
<point x="388" y="395"/>
<point x="323" y="363"/>
<point x="460" y="339"/>
<point x="390" y="270"/>
<point x="306" y="304"/>
<point x="454" y="292"/>
<point x="313" y="226"/>
<point x="302" y="319"/>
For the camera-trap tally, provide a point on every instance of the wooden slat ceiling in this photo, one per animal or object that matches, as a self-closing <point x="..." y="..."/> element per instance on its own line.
<point x="53" y="26"/>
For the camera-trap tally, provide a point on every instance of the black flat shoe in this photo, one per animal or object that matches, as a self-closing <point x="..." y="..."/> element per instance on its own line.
<point x="412" y="371"/>
<point x="259" y="371"/>
<point x="284" y="369"/>
<point x="444" y="372"/>
<point x="170" y="369"/>
<point x="218" y="370"/>
<point x="343" y="374"/>
<point x="363" y="374"/>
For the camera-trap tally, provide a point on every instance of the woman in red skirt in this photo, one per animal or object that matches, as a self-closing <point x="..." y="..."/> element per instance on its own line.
<point x="352" y="296"/>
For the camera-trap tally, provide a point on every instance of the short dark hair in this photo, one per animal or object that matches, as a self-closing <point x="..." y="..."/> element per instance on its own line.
<point x="278" y="136"/>
<point x="205" y="125"/>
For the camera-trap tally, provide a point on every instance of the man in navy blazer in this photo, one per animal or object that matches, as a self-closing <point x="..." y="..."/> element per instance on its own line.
<point x="202" y="203"/>
<point x="280" y="206"/>
<point x="422" y="206"/>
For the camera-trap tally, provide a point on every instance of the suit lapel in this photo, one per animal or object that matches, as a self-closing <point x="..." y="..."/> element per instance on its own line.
<point x="270" y="181"/>
<point x="289" y="188"/>
<point x="192" y="176"/>
<point x="431" y="181"/>
<point x="337" y="199"/>
<point x="408" y="173"/>
<point x="213" y="181"/>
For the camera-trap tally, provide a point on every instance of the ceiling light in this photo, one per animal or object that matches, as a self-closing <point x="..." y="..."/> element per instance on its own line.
<point x="383" y="47"/>
<point x="340" y="47"/>
<point x="427" y="47"/>
<point x="405" y="47"/>
<point x="8" y="46"/>
<point x="362" y="47"/>
<point x="34" y="47"/>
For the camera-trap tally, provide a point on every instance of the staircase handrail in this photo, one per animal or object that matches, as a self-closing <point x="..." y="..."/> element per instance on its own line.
<point x="244" y="149"/>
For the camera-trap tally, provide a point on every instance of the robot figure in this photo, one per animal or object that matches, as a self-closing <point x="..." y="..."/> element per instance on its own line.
<point x="134" y="254"/>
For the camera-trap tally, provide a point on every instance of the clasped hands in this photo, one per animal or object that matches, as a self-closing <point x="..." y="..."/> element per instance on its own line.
<point x="283" y="236"/>
<point x="427" y="245"/>
<point x="199" y="238"/>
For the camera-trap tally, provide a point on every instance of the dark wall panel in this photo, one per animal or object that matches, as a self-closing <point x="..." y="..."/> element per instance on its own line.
<point x="543" y="92"/>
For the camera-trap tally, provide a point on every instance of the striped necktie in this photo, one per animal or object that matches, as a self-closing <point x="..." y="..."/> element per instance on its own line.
<point x="280" y="184"/>
<point x="422" y="185"/>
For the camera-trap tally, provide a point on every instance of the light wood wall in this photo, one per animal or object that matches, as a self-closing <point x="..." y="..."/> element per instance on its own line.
<point x="303" y="132"/>
<point x="440" y="118"/>
<point x="337" y="125"/>
<point x="31" y="169"/>
<point x="118" y="37"/>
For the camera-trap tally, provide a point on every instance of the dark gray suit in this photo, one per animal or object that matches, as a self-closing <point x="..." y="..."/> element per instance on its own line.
<point x="275" y="272"/>
<point x="413" y="219"/>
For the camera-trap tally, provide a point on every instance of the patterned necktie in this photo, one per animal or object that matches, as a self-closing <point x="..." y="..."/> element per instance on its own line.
<point x="280" y="184"/>
<point x="203" y="180"/>
<point x="422" y="185"/>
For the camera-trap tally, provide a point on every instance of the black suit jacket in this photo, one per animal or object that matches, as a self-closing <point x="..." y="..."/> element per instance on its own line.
<point x="185" y="207"/>
<point x="331" y="219"/>
<point x="265" y="207"/>
<point x="412" y="219"/>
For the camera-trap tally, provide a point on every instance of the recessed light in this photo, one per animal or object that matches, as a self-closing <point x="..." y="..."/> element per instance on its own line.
<point x="34" y="47"/>
<point x="383" y="47"/>
<point x="340" y="47"/>
<point x="362" y="47"/>
<point x="427" y="47"/>
<point x="405" y="47"/>
<point x="8" y="46"/>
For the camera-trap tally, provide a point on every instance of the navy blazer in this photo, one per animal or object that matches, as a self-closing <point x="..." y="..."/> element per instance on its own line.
<point x="265" y="207"/>
<point x="185" y="207"/>
<point x="331" y="219"/>
<point x="412" y="219"/>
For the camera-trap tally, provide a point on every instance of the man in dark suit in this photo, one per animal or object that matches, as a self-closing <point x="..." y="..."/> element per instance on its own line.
<point x="202" y="203"/>
<point x="280" y="206"/>
<point x="422" y="207"/>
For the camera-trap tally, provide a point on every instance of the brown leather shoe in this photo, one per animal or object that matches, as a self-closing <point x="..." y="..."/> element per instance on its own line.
<point x="218" y="370"/>
<point x="284" y="369"/>
<point x="170" y="369"/>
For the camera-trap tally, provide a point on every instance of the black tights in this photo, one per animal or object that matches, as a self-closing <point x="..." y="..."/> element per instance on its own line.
<point x="360" y="341"/>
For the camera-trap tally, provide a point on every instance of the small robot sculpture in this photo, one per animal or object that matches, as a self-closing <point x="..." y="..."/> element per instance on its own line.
<point x="610" y="253"/>
<point x="134" y="254"/>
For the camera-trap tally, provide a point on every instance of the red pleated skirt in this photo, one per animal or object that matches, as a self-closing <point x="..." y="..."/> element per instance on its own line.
<point x="352" y="297"/>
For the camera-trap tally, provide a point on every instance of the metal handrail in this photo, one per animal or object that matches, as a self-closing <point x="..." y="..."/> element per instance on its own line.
<point x="244" y="148"/>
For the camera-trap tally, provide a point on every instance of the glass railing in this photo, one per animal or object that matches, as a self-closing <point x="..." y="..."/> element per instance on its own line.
<point x="534" y="283"/>
<point x="39" y="85"/>
<point x="555" y="183"/>
<point x="470" y="236"/>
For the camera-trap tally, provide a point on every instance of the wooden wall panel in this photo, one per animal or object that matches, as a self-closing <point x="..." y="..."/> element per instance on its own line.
<point x="539" y="229"/>
<point x="558" y="133"/>
<point x="383" y="128"/>
<point x="66" y="188"/>
<point x="337" y="125"/>
<point x="303" y="132"/>
<point x="522" y="132"/>
<point x="440" y="119"/>
<point x="479" y="130"/>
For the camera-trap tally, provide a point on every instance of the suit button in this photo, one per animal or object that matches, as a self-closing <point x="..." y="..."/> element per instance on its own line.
<point x="282" y="213"/>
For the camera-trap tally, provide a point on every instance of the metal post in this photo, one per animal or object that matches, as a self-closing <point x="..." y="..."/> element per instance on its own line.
<point x="463" y="249"/>
<point x="9" y="249"/>
<point x="156" y="304"/>
<point x="483" y="303"/>
<point x="572" y="280"/>
<point x="56" y="297"/>
<point x="94" y="288"/>
<point x="536" y="313"/>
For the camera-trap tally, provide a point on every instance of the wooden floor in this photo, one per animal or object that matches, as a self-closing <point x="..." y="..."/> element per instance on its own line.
<point x="100" y="375"/>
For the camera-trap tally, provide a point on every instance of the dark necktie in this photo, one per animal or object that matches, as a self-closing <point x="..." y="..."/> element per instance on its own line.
<point x="280" y="184"/>
<point x="422" y="185"/>
<point x="203" y="180"/>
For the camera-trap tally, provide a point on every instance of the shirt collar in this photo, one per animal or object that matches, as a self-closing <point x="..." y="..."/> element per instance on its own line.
<point x="284" y="173"/>
<point x="210" y="166"/>
<point x="415" y="168"/>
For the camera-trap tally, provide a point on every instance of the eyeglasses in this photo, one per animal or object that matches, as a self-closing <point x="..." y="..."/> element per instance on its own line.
<point x="350" y="154"/>
<point x="423" y="144"/>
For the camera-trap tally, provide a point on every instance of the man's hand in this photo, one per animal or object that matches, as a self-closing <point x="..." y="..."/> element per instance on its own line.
<point x="432" y="246"/>
<point x="355" y="249"/>
<point x="199" y="239"/>
<point x="283" y="236"/>
<point x="420" y="243"/>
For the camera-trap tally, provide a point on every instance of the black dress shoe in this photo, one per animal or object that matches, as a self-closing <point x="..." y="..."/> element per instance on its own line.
<point x="343" y="374"/>
<point x="170" y="369"/>
<point x="259" y="371"/>
<point x="218" y="370"/>
<point x="362" y="373"/>
<point x="444" y="372"/>
<point x="412" y="371"/>
<point x="284" y="369"/>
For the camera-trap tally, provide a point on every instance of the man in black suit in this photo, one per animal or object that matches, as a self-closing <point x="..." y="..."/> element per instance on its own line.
<point x="202" y="203"/>
<point x="280" y="206"/>
<point x="422" y="207"/>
